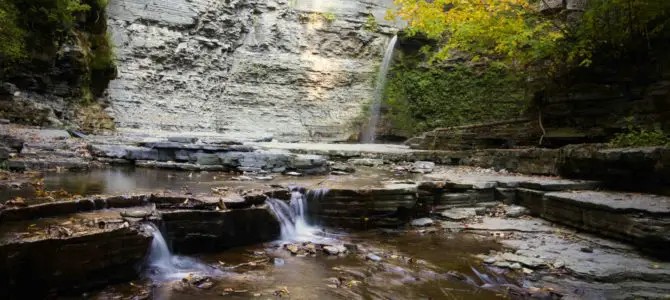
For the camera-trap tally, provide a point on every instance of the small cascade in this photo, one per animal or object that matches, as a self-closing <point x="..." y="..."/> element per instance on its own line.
<point x="293" y="216"/>
<point x="368" y="134"/>
<point x="162" y="265"/>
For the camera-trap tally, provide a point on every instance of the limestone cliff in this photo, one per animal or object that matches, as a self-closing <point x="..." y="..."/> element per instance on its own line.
<point x="293" y="70"/>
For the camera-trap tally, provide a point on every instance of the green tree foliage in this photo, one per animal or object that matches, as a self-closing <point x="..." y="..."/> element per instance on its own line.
<point x="514" y="34"/>
<point x="11" y="35"/>
<point x="28" y="26"/>
<point x="511" y="32"/>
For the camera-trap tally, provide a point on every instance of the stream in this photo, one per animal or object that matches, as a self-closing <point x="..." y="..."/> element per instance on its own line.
<point x="377" y="264"/>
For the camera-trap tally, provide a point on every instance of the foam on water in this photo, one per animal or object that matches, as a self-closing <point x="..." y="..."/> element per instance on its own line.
<point x="293" y="216"/>
<point x="162" y="265"/>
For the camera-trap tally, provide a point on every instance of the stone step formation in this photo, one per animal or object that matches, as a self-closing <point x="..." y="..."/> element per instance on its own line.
<point x="537" y="217"/>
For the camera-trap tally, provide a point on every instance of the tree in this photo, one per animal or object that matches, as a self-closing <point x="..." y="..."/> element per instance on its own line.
<point x="515" y="35"/>
<point x="508" y="32"/>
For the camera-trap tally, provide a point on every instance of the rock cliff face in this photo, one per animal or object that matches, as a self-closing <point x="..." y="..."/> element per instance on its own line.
<point x="293" y="70"/>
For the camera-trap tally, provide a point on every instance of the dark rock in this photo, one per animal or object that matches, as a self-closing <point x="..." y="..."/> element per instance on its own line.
<point x="11" y="142"/>
<point x="40" y="211"/>
<point x="183" y="139"/>
<point x="342" y="168"/>
<point x="5" y="153"/>
<point x="636" y="169"/>
<point x="33" y="269"/>
<point x="587" y="250"/>
<point x="77" y="134"/>
<point x="193" y="231"/>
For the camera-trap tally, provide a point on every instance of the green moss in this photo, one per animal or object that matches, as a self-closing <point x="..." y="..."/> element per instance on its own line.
<point x="424" y="98"/>
<point x="371" y="24"/>
<point x="329" y="17"/>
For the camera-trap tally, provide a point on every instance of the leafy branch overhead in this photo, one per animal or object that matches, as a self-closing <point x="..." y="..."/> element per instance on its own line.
<point x="516" y="35"/>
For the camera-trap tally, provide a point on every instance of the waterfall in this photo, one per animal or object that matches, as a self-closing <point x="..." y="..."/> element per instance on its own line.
<point x="162" y="265"/>
<point x="292" y="216"/>
<point x="368" y="134"/>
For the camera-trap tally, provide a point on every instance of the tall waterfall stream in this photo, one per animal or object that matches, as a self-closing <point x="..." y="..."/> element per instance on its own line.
<point x="369" y="132"/>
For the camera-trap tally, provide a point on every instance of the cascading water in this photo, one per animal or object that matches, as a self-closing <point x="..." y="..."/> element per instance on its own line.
<point x="292" y="216"/>
<point x="368" y="134"/>
<point x="162" y="265"/>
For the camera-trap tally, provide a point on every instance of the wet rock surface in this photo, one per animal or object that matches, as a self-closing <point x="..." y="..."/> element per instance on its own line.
<point x="70" y="260"/>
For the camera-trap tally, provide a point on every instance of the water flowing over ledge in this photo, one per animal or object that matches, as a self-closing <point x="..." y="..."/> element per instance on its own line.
<point x="162" y="265"/>
<point x="368" y="134"/>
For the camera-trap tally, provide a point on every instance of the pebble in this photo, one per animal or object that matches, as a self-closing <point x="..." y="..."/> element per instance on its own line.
<point x="334" y="250"/>
<point x="422" y="222"/>
<point x="373" y="257"/>
<point x="4" y="121"/>
<point x="515" y="266"/>
<point x="587" y="250"/>
<point x="279" y="261"/>
<point x="293" y="174"/>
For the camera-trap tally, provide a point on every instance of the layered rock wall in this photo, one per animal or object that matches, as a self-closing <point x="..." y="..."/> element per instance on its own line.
<point x="293" y="70"/>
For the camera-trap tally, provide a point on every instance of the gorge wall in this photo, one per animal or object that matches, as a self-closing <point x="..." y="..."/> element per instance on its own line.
<point x="292" y="70"/>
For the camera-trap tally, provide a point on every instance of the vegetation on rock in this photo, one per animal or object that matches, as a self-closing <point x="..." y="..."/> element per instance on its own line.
<point x="516" y="35"/>
<point x="638" y="136"/>
<point x="540" y="52"/>
<point x="371" y="24"/>
<point x="48" y="44"/>
<point x="420" y="99"/>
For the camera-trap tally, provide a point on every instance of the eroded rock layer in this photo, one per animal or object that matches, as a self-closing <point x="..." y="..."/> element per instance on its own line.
<point x="295" y="70"/>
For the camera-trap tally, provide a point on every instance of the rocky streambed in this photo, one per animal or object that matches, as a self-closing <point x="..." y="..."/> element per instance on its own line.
<point x="311" y="223"/>
<point x="454" y="232"/>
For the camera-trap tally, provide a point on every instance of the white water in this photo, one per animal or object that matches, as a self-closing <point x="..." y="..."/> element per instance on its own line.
<point x="292" y="216"/>
<point x="368" y="134"/>
<point x="162" y="265"/>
